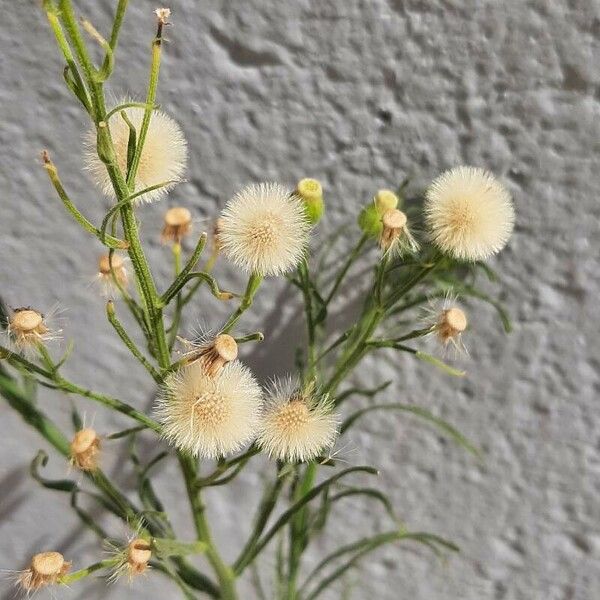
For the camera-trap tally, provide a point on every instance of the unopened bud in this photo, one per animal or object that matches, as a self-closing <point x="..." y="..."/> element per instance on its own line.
<point x="311" y="193"/>
<point x="385" y="200"/>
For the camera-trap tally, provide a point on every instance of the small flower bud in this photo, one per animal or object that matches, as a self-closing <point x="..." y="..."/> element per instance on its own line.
<point x="138" y="556"/>
<point x="178" y="224"/>
<point x="311" y="193"/>
<point x="369" y="220"/>
<point x="385" y="200"/>
<point x="45" y="569"/>
<point x="216" y="354"/>
<point x="85" y="448"/>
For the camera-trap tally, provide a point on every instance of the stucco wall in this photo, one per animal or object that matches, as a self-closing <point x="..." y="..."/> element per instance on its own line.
<point x="358" y="94"/>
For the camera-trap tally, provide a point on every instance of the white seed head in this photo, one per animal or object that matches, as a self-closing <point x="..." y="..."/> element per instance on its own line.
<point x="296" y="426"/>
<point x="45" y="569"/>
<point x="28" y="328"/>
<point x="469" y="213"/>
<point x="263" y="229"/>
<point x="210" y="416"/>
<point x="163" y="158"/>
<point x="85" y="449"/>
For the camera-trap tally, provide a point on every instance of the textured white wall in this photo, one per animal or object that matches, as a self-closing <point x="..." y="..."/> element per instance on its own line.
<point x="359" y="94"/>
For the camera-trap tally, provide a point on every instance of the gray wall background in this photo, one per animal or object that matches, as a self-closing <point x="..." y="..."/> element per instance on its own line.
<point x="358" y="94"/>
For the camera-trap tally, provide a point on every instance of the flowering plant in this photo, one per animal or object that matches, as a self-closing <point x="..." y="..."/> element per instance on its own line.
<point x="211" y="414"/>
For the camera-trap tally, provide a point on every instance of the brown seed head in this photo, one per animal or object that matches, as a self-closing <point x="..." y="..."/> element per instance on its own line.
<point x="217" y="354"/>
<point x="394" y="222"/>
<point x="139" y="554"/>
<point x="26" y="320"/>
<point x="85" y="448"/>
<point x="104" y="264"/>
<point x="451" y="324"/>
<point x="45" y="569"/>
<point x="178" y="223"/>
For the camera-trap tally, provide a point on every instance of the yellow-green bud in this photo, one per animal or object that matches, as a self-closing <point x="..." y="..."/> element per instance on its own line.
<point x="369" y="220"/>
<point x="311" y="193"/>
<point x="385" y="200"/>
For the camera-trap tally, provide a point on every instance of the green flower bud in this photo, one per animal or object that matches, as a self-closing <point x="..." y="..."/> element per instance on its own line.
<point x="369" y="220"/>
<point x="311" y="193"/>
<point x="385" y="200"/>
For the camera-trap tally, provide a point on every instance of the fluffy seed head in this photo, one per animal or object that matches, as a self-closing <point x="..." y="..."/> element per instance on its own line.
<point x="163" y="158"/>
<point x="469" y="213"/>
<point x="296" y="425"/>
<point x="28" y="328"/>
<point x="45" y="569"/>
<point x="178" y="224"/>
<point x="210" y="416"/>
<point x="263" y="229"/>
<point x="85" y="449"/>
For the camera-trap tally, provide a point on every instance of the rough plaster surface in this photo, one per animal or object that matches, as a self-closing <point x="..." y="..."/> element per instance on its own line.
<point x="359" y="94"/>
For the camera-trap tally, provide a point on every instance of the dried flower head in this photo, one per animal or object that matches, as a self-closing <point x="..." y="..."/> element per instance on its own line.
<point x="447" y="322"/>
<point x="45" y="569"/>
<point x="214" y="353"/>
<point x="112" y="273"/>
<point x="210" y="416"/>
<point x="131" y="560"/>
<point x="264" y="229"/>
<point x="28" y="328"/>
<point x="297" y="425"/>
<point x="178" y="224"/>
<point x="163" y="157"/>
<point x="469" y="213"/>
<point x="85" y="449"/>
<point x="395" y="237"/>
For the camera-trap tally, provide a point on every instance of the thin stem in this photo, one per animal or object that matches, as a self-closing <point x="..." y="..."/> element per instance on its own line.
<point x="108" y="240"/>
<point x="114" y="321"/>
<point x="351" y="258"/>
<point x="174" y="328"/>
<point x="176" y="287"/>
<point x="109" y="563"/>
<point x="253" y="284"/>
<point x="207" y="268"/>
<point x="310" y="322"/>
<point x="223" y="572"/>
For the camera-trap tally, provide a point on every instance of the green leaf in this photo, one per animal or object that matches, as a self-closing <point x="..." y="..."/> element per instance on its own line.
<point x="364" y="392"/>
<point x="297" y="506"/>
<point x="62" y="485"/>
<point x="440" y="364"/>
<point x="125" y="432"/>
<point x="76" y="417"/>
<point x="420" y="412"/>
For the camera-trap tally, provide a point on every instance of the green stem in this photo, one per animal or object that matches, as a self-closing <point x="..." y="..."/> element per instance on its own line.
<point x="109" y="563"/>
<point x="176" y="288"/>
<point x="223" y="572"/>
<point x="253" y="284"/>
<point x="114" y="321"/>
<point x="351" y="258"/>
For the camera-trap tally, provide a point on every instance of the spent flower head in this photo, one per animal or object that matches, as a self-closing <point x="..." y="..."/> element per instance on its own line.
<point x="112" y="273"/>
<point x="163" y="158"/>
<point x="447" y="322"/>
<point x="297" y="425"/>
<point x="177" y="224"/>
<point x="210" y="416"/>
<point x="264" y="229"/>
<point x="469" y="213"/>
<point x="85" y="449"/>
<point x="29" y="328"/>
<point x="45" y="569"/>
<point x="395" y="237"/>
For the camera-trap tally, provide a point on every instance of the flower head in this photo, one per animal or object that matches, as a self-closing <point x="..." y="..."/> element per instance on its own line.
<point x="111" y="268"/>
<point x="131" y="560"/>
<point x="297" y="425"/>
<point x="395" y="236"/>
<point x="469" y="213"/>
<point x="263" y="229"/>
<point x="310" y="191"/>
<point x="210" y="416"/>
<point x="85" y="448"/>
<point x="163" y="157"/>
<point x="45" y="569"/>
<point x="28" y="328"/>
<point x="213" y="353"/>
<point x="177" y="224"/>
